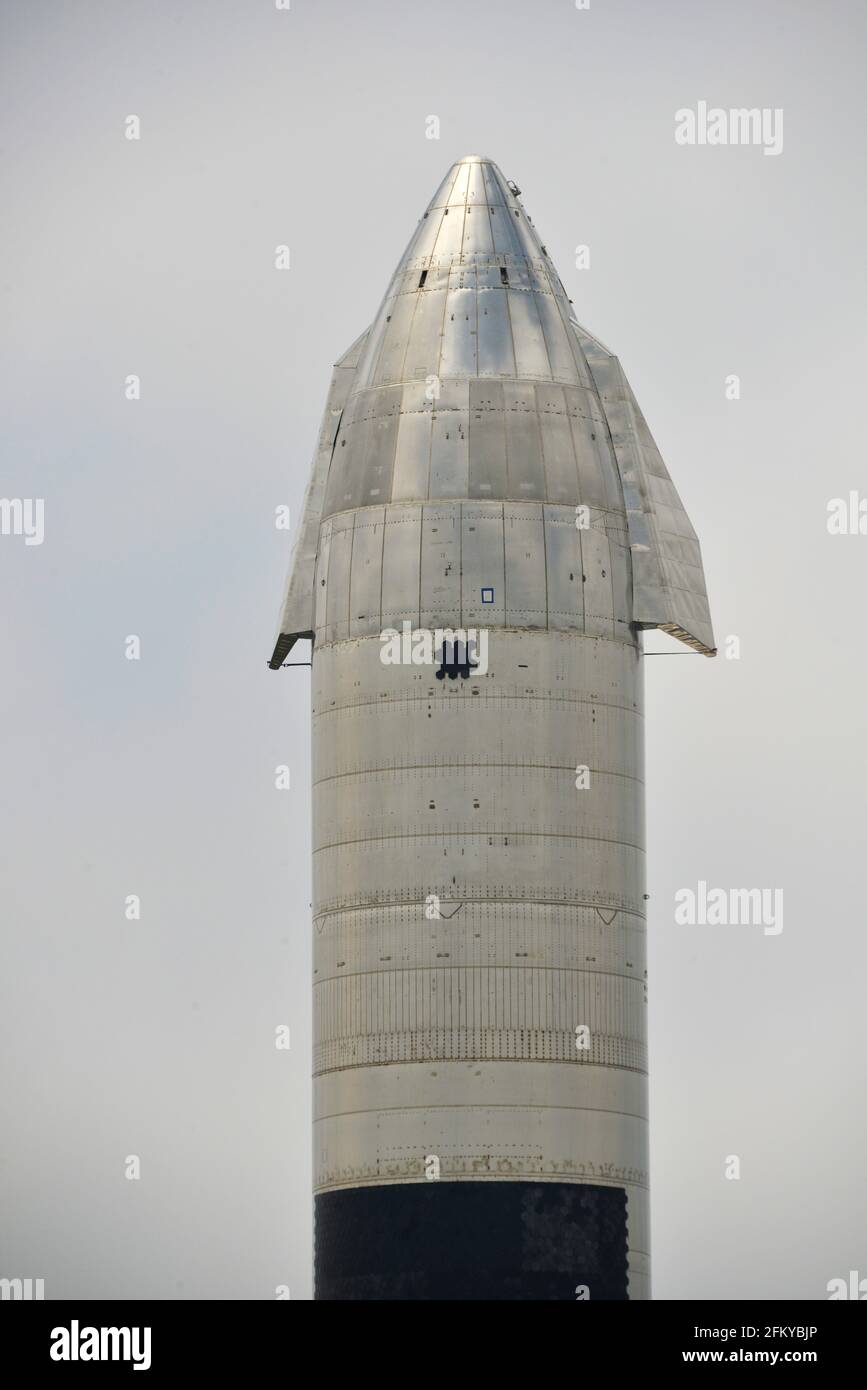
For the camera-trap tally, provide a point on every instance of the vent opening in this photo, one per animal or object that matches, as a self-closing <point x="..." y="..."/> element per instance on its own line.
<point x="504" y="275"/>
<point x="421" y="279"/>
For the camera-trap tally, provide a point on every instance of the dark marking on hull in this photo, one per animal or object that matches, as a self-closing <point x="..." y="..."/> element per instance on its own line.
<point x="471" y="1241"/>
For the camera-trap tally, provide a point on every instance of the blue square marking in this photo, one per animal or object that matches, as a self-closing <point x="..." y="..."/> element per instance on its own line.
<point x="487" y="596"/>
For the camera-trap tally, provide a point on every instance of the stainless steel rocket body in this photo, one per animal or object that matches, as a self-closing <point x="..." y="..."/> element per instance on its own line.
<point x="480" y="1038"/>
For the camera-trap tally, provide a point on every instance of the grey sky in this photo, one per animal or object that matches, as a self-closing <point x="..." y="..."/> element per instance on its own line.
<point x="156" y="777"/>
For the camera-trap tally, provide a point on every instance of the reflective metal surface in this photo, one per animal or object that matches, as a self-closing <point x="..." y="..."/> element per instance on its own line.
<point x="462" y="432"/>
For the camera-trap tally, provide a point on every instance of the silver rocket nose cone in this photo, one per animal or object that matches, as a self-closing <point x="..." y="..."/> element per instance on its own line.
<point x="475" y="383"/>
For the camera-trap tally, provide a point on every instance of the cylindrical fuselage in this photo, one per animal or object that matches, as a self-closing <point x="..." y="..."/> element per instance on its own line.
<point x="479" y="954"/>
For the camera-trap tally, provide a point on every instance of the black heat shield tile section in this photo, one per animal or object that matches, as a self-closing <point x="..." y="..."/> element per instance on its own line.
<point x="463" y="1241"/>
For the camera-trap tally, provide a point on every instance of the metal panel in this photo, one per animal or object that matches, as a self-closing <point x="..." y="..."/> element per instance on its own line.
<point x="563" y="562"/>
<point x="297" y="614"/>
<point x="526" y="587"/>
<point x="340" y="490"/>
<point x="531" y="357"/>
<point x="527" y="237"/>
<point x="482" y="572"/>
<point x="441" y="197"/>
<point x="561" y="354"/>
<point x="487" y="477"/>
<point x="450" y="235"/>
<point x="476" y="188"/>
<point x="321" y="585"/>
<point x="506" y="241"/>
<point x="478" y="240"/>
<point x="458" y="356"/>
<point x="592" y="488"/>
<point x="353" y="448"/>
<point x="373" y="343"/>
<point x="449" y="458"/>
<point x="375" y="472"/>
<point x="665" y="595"/>
<point x="458" y="192"/>
<point x="598" y="592"/>
<point x="489" y="273"/>
<point x="493" y="186"/>
<point x="412" y="451"/>
<point x="558" y="450"/>
<point x="440" y="565"/>
<point x="621" y="584"/>
<point x="389" y="368"/>
<point x="423" y="347"/>
<point x="422" y="245"/>
<point x="405" y="281"/>
<point x="526" y="471"/>
<point x="401" y="566"/>
<point x="520" y="275"/>
<point x="366" y="572"/>
<point x="421" y="248"/>
<point x="496" y="353"/>
<point x="337" y="597"/>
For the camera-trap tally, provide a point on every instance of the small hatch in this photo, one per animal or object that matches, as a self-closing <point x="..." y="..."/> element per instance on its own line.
<point x="421" y="279"/>
<point x="504" y="275"/>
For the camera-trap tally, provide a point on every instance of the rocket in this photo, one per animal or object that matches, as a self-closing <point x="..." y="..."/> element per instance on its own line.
<point x="487" y="530"/>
